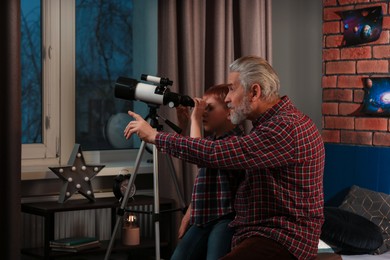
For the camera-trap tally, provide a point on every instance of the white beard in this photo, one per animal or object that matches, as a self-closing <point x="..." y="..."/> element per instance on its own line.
<point x="240" y="113"/>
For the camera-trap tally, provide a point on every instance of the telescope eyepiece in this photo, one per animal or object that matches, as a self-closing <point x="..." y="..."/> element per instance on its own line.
<point x="158" y="80"/>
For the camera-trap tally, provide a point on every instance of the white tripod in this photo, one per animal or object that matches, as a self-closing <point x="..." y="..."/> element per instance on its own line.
<point x="153" y="121"/>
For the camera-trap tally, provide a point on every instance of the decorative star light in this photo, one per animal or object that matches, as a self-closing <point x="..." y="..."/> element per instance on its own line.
<point x="77" y="177"/>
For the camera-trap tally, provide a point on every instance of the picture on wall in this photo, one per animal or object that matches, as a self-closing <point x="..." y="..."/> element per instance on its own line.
<point x="362" y="25"/>
<point x="377" y="96"/>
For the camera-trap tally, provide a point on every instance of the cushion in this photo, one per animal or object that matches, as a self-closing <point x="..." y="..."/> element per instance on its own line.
<point x="374" y="206"/>
<point x="350" y="233"/>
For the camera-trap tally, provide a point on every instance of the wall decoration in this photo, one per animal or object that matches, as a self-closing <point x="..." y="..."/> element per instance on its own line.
<point x="377" y="96"/>
<point x="76" y="177"/>
<point x="362" y="25"/>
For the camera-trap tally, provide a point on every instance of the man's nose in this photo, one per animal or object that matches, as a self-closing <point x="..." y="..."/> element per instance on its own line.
<point x="227" y="99"/>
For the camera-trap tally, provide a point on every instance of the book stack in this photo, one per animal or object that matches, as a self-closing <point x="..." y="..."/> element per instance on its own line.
<point x="74" y="244"/>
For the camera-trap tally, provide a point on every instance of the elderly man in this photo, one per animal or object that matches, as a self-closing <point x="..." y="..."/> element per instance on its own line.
<point x="279" y="205"/>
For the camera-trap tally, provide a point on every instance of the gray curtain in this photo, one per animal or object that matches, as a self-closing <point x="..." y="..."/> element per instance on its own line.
<point x="198" y="39"/>
<point x="10" y="130"/>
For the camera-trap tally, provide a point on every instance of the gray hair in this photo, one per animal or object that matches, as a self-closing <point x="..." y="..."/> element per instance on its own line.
<point x="254" y="70"/>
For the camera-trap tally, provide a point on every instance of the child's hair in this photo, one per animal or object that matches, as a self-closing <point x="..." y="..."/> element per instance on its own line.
<point x="219" y="92"/>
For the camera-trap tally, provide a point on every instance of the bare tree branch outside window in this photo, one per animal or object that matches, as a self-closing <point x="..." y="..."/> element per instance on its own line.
<point x="103" y="53"/>
<point x="31" y="63"/>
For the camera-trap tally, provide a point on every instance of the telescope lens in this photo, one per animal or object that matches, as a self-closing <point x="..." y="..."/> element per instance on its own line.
<point x="125" y="88"/>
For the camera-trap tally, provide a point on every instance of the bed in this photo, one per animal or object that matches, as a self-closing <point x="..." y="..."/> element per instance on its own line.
<point x="367" y="257"/>
<point x="357" y="180"/>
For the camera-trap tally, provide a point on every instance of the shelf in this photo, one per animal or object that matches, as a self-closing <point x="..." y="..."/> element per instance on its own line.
<point x="146" y="244"/>
<point x="48" y="209"/>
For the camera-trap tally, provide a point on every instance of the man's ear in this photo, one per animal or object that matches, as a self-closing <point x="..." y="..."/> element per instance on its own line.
<point x="255" y="91"/>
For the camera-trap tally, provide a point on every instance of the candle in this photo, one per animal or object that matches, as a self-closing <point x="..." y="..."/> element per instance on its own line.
<point x="130" y="231"/>
<point x="130" y="236"/>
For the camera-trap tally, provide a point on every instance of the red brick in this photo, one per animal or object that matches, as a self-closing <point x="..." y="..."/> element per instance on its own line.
<point x="323" y="68"/>
<point x="348" y="108"/>
<point x="381" y="52"/>
<point x="331" y="136"/>
<point x="341" y="67"/>
<point x="329" y="81"/>
<point x="329" y="2"/>
<point x="332" y="14"/>
<point x="356" y="53"/>
<point x="373" y="124"/>
<point x="350" y="82"/>
<point x="332" y="41"/>
<point x="358" y="96"/>
<point x="386" y="23"/>
<point x="335" y="122"/>
<point x="349" y="2"/>
<point x="372" y="66"/>
<point x="330" y="108"/>
<point x="330" y="54"/>
<point x="358" y="138"/>
<point x="331" y="27"/>
<point x="337" y="95"/>
<point x="381" y="139"/>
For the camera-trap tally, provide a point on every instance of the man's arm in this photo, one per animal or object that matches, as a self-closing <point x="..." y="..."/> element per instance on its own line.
<point x="141" y="128"/>
<point x="268" y="147"/>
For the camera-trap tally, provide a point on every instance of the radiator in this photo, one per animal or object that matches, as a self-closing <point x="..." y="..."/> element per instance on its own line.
<point x="94" y="222"/>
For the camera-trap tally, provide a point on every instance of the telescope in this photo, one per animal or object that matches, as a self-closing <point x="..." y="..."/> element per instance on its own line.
<point x="158" y="93"/>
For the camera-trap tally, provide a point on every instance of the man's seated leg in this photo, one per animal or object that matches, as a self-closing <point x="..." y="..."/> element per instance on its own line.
<point x="259" y="248"/>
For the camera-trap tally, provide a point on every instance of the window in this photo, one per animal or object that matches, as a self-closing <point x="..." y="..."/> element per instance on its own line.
<point x="31" y="61"/>
<point x="40" y="67"/>
<point x="86" y="45"/>
<point x="103" y="53"/>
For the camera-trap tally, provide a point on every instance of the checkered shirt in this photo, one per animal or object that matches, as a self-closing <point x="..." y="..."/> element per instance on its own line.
<point x="281" y="197"/>
<point x="215" y="189"/>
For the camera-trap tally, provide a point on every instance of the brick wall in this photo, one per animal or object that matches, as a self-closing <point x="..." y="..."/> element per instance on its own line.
<point x="343" y="71"/>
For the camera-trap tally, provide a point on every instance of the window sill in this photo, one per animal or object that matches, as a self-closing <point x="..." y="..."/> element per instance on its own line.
<point x="114" y="161"/>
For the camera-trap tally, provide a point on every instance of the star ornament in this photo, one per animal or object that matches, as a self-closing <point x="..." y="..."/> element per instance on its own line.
<point x="77" y="177"/>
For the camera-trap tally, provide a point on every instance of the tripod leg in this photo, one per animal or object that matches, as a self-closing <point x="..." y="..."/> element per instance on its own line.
<point x="125" y="200"/>
<point x="156" y="202"/>
<point x="175" y="182"/>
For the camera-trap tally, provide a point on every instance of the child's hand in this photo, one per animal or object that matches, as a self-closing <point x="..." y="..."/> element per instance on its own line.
<point x="183" y="117"/>
<point x="199" y="108"/>
<point x="185" y="223"/>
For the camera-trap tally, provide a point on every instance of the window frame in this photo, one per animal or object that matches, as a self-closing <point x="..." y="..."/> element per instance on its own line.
<point x="59" y="106"/>
<point x="48" y="150"/>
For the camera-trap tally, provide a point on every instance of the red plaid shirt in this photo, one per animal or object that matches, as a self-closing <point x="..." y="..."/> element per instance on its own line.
<point x="281" y="196"/>
<point x="215" y="189"/>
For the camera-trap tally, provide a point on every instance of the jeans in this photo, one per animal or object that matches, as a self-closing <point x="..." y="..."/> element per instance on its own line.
<point x="209" y="242"/>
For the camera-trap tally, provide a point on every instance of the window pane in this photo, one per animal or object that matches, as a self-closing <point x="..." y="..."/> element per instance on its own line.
<point x="31" y="62"/>
<point x="103" y="53"/>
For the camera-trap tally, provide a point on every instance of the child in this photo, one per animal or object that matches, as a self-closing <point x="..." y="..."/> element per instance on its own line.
<point x="204" y="228"/>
